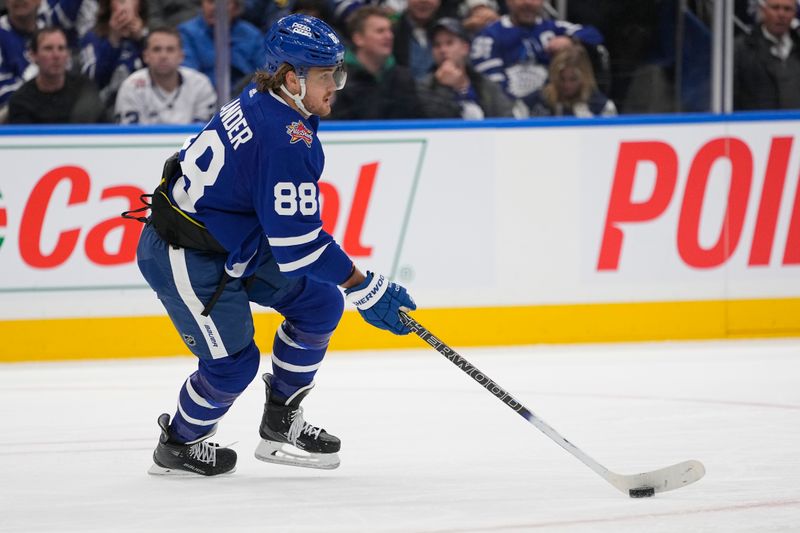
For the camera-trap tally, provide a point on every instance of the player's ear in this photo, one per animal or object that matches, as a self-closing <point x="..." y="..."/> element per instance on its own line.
<point x="291" y="82"/>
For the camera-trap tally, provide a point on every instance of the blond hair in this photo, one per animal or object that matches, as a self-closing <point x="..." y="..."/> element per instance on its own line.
<point x="574" y="57"/>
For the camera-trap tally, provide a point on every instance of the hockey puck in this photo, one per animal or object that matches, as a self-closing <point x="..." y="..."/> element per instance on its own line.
<point x="642" y="492"/>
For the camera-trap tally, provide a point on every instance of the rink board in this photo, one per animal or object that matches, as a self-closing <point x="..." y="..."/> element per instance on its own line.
<point x="146" y="336"/>
<point x="505" y="232"/>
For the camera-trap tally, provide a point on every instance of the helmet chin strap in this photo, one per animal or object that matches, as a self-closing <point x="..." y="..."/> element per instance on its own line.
<point x="298" y="98"/>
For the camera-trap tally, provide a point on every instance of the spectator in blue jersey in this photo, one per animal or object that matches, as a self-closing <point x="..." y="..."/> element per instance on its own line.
<point x="571" y="89"/>
<point x="112" y="51"/>
<point x="455" y="89"/>
<point x="766" y="72"/>
<point x="515" y="51"/>
<point x="17" y="26"/>
<point x="237" y="220"/>
<point x="247" y="52"/>
<point x="73" y="16"/>
<point x="412" y="47"/>
<point x="54" y="96"/>
<point x="378" y="88"/>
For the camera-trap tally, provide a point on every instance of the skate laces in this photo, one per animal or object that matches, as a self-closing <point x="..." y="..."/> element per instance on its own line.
<point x="205" y="452"/>
<point x="300" y="426"/>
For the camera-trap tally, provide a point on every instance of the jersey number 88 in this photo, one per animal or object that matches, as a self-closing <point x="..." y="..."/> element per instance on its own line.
<point x="290" y="198"/>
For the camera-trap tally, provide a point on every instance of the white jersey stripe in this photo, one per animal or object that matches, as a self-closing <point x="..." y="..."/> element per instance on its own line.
<point x="196" y="398"/>
<point x="294" y="368"/>
<point x="294" y="241"/>
<point x="489" y="63"/>
<point x="239" y="268"/>
<point x="286" y="339"/>
<point x="61" y="18"/>
<point x="299" y="392"/>
<point x="196" y="421"/>
<point x="180" y="274"/>
<point x="10" y="87"/>
<point x="303" y="261"/>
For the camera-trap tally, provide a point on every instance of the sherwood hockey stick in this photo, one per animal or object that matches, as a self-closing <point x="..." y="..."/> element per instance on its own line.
<point x="635" y="485"/>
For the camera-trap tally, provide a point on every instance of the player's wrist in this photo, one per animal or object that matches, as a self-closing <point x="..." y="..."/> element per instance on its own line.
<point x="369" y="292"/>
<point x="356" y="278"/>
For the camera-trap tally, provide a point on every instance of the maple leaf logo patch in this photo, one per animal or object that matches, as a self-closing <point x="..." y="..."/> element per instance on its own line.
<point x="299" y="132"/>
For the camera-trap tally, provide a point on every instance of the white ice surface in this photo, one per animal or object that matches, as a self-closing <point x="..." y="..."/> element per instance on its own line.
<point x="425" y="449"/>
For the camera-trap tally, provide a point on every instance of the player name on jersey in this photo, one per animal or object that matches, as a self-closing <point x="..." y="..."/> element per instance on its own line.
<point x="235" y="124"/>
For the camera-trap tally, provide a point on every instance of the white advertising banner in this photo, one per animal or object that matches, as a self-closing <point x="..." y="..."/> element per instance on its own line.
<point x="464" y="216"/>
<point x="653" y="213"/>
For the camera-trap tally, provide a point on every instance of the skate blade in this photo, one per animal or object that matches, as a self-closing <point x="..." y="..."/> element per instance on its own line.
<point x="156" y="470"/>
<point x="286" y="454"/>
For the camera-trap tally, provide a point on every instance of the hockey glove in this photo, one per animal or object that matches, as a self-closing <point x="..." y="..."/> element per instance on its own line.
<point x="380" y="301"/>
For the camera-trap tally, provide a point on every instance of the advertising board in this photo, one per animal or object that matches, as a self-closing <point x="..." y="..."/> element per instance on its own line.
<point x="531" y="232"/>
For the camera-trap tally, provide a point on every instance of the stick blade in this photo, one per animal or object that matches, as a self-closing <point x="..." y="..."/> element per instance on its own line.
<point x="669" y="478"/>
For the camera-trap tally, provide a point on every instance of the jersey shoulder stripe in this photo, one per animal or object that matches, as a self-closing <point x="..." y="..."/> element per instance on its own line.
<point x="294" y="241"/>
<point x="303" y="261"/>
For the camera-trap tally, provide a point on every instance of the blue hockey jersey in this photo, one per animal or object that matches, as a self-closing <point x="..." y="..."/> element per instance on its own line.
<point x="516" y="57"/>
<point x="251" y="178"/>
<point x="15" y="69"/>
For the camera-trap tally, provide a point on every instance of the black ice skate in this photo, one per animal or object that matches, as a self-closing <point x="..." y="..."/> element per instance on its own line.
<point x="190" y="459"/>
<point x="288" y="439"/>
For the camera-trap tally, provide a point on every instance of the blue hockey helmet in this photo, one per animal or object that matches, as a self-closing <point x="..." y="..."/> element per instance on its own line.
<point x="304" y="42"/>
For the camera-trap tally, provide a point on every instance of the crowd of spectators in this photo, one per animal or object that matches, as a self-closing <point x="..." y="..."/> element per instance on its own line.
<point x="153" y="61"/>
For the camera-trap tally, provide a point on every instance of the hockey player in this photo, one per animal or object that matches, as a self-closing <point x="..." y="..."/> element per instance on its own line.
<point x="237" y="220"/>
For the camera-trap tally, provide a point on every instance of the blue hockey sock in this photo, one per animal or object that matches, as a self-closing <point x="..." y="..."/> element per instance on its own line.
<point x="200" y="407"/>
<point x="296" y="356"/>
<point x="208" y="393"/>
